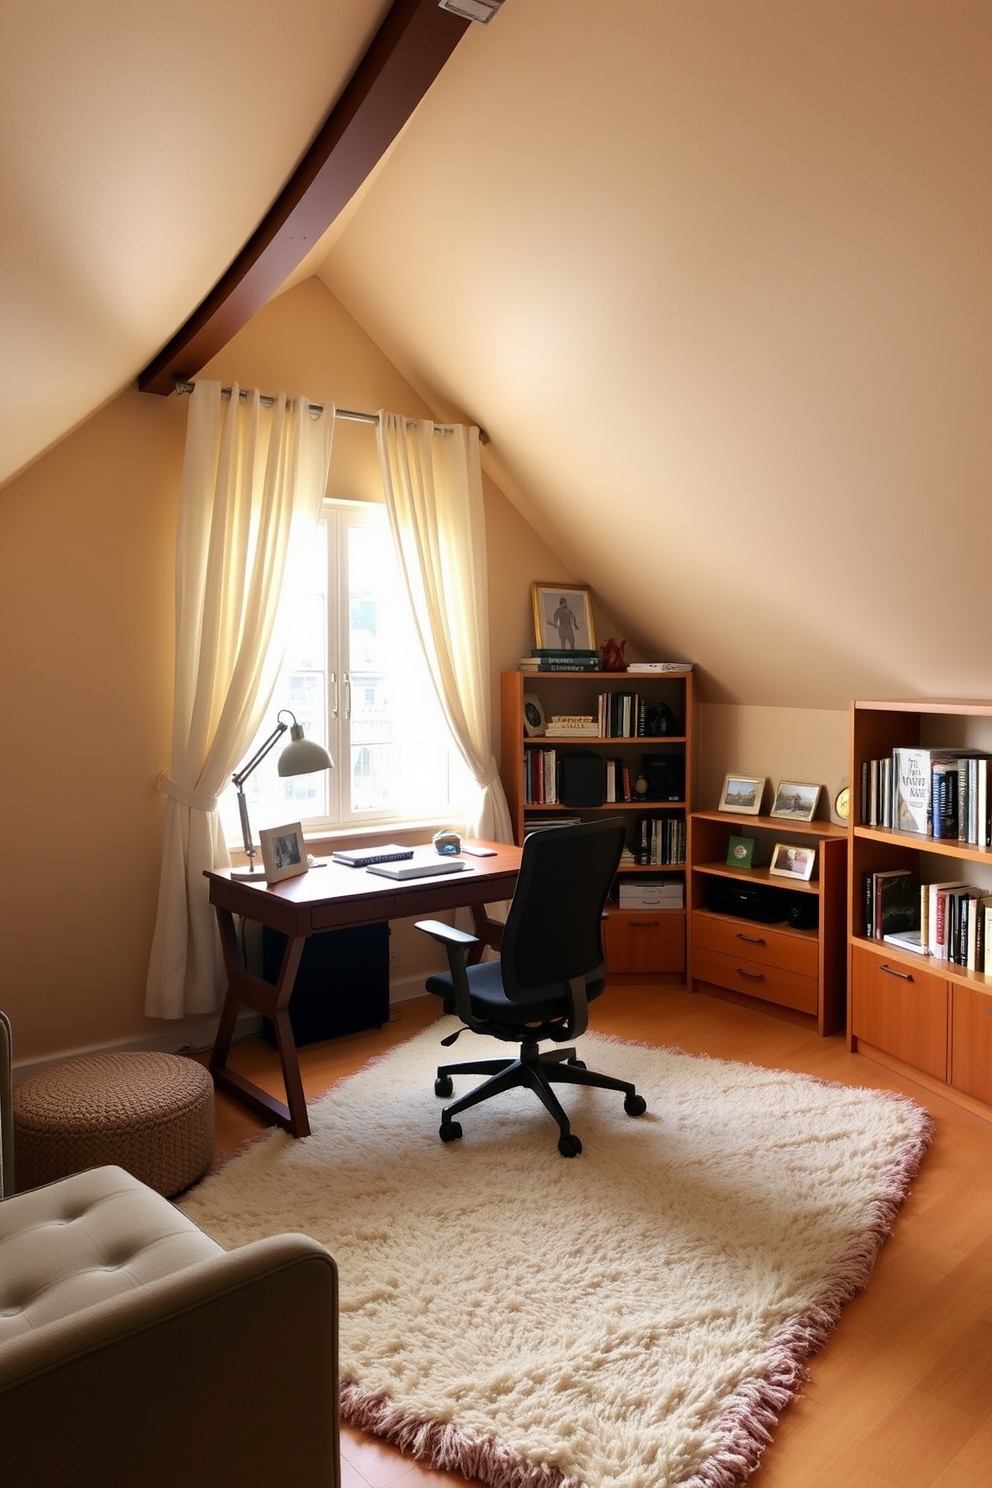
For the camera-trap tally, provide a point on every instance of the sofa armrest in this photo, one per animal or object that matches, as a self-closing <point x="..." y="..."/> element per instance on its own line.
<point x="223" y="1372"/>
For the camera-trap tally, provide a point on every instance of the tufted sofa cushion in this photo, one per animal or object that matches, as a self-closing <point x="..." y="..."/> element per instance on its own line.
<point x="83" y="1240"/>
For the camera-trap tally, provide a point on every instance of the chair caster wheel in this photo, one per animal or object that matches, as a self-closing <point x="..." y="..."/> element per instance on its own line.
<point x="569" y="1146"/>
<point x="449" y="1131"/>
<point x="443" y="1086"/>
<point x="635" y="1105"/>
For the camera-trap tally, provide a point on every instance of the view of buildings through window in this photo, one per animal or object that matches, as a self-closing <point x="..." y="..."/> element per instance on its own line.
<point x="355" y="678"/>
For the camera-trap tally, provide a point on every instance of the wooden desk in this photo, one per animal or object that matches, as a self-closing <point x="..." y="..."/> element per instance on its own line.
<point x="329" y="897"/>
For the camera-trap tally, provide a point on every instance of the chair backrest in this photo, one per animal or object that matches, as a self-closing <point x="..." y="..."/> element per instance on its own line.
<point x="554" y="927"/>
<point x="6" y="1114"/>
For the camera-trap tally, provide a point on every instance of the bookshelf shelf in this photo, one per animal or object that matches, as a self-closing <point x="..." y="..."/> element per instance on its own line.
<point x="920" y="1014"/>
<point x="796" y="971"/>
<point x="641" y="943"/>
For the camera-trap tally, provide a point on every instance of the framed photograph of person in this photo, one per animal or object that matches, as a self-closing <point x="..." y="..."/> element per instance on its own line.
<point x="283" y="852"/>
<point x="789" y="861"/>
<point x="563" y="617"/>
<point x="795" y="800"/>
<point x="743" y="794"/>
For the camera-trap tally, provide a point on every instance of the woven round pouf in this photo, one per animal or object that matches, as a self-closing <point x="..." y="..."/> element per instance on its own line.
<point x="152" y="1114"/>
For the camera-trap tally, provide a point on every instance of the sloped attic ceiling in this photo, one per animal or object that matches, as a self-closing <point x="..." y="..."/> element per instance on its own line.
<point x="713" y="275"/>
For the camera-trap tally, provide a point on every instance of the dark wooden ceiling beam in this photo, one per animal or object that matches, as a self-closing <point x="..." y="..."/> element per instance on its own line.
<point x="408" y="51"/>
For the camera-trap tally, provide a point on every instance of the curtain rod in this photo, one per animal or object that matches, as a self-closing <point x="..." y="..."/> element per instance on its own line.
<point x="182" y="385"/>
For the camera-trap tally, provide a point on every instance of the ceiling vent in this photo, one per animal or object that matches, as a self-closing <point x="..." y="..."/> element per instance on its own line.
<point x="472" y="10"/>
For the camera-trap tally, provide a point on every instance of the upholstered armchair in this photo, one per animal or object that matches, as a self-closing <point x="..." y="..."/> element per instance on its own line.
<point x="133" y="1349"/>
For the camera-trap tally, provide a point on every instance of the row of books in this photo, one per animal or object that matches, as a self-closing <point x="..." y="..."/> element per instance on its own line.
<point x="662" y="839"/>
<point x="942" y="793"/>
<point x="950" y="921"/>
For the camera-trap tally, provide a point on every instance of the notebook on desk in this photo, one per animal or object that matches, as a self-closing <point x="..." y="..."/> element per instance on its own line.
<point x="420" y="867"/>
<point x="362" y="857"/>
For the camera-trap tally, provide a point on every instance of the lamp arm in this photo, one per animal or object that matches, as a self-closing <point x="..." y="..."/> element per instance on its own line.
<point x="241" y="775"/>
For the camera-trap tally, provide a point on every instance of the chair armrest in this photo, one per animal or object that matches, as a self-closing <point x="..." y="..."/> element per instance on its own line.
<point x="446" y="934"/>
<point x="158" y="1383"/>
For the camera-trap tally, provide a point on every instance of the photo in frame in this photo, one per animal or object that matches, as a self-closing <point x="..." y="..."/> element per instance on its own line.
<point x="534" y="721"/>
<point x="790" y="861"/>
<point x="563" y="617"/>
<point x="743" y="794"/>
<point x="284" y="854"/>
<point x="740" y="852"/>
<point x="795" y="800"/>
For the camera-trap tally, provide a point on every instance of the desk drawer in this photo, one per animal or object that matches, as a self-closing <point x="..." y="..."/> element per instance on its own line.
<point x="762" y="944"/>
<point x="770" y="983"/>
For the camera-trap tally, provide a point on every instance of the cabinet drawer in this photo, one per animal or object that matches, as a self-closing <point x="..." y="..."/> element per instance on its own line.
<point x="763" y="944"/>
<point x="647" y="942"/>
<point x="971" y="1042"/>
<point x="743" y="974"/>
<point x="901" y="1010"/>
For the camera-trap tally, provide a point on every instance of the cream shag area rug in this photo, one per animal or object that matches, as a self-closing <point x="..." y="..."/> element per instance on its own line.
<point x="635" y="1317"/>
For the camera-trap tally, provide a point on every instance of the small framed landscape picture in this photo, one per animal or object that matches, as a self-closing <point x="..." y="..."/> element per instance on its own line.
<point x="789" y="861"/>
<point x="283" y="852"/>
<point x="563" y="617"/>
<point x="743" y="794"/>
<point x="534" y="723"/>
<point x="796" y="801"/>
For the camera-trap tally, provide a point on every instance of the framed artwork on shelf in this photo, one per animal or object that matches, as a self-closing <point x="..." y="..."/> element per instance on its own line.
<point x="740" y="852"/>
<point x="789" y="861"/>
<point x="284" y="854"/>
<point x="743" y="794"/>
<point x="796" y="801"/>
<point x="563" y="617"/>
<point x="534" y="723"/>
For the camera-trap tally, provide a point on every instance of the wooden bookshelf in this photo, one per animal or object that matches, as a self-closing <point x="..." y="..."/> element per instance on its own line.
<point x="923" y="1016"/>
<point x="641" y="943"/>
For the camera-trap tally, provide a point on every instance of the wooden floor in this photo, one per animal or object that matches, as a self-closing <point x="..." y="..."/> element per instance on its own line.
<point x="901" y="1396"/>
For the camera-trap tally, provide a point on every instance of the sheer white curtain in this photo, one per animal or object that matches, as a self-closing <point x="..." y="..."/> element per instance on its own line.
<point x="433" y="486"/>
<point x="252" y="483"/>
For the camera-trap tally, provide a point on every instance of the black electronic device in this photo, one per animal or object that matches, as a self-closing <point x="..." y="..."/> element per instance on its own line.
<point x="581" y="779"/>
<point x="758" y="902"/>
<point x="665" y="775"/>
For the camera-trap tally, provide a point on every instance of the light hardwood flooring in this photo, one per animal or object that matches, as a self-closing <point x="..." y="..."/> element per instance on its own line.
<point x="901" y="1396"/>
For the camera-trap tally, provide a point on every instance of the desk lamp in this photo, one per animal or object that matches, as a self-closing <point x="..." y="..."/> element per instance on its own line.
<point x="300" y="757"/>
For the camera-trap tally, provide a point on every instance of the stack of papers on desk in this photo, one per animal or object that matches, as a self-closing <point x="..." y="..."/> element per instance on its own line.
<point x="423" y="864"/>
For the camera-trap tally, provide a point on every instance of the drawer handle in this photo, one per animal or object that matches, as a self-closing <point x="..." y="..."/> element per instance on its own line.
<point x="644" y="924"/>
<point x="752" y="976"/>
<point x="751" y="939"/>
<point x="904" y="976"/>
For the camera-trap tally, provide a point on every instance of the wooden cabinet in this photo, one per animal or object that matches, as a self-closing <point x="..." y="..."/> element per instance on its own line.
<point x="791" y="958"/>
<point x="919" y="1012"/>
<point x="641" y="943"/>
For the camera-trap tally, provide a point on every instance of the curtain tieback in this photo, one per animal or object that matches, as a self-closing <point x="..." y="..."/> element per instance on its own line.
<point x="196" y="800"/>
<point x="489" y="777"/>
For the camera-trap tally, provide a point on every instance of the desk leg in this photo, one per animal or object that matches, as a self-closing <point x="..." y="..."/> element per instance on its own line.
<point x="272" y="1001"/>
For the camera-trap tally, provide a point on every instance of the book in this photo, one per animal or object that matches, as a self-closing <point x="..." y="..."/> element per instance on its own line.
<point x="945" y="798"/>
<point x="911" y="784"/>
<point x="895" y="902"/>
<point x="558" y="653"/>
<point x="934" y="890"/>
<point x="362" y="857"/>
<point x="426" y="866"/>
<point x="660" y="666"/>
<point x="907" y="940"/>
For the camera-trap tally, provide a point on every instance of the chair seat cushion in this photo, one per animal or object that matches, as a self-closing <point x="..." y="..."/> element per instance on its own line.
<point x="83" y="1240"/>
<point x="490" y="1001"/>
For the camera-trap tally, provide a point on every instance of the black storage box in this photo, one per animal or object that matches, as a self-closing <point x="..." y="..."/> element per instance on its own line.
<point x="665" y="775"/>
<point x="581" y="780"/>
<point x="748" y="901"/>
<point x="342" y="984"/>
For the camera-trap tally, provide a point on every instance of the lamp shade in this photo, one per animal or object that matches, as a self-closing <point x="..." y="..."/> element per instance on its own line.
<point x="303" y="756"/>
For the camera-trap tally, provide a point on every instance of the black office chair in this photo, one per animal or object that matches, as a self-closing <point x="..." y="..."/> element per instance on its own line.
<point x="551" y="967"/>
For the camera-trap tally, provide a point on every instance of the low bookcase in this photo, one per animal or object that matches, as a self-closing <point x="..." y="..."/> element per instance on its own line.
<point x="642" y="943"/>
<point x="768" y="942"/>
<point x="926" y="1017"/>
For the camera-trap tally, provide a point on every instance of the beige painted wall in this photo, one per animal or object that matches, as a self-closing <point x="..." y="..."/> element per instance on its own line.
<point x="86" y="615"/>
<point x="808" y="744"/>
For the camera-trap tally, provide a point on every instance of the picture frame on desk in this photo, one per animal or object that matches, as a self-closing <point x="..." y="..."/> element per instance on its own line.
<point x="790" y="861"/>
<point x="743" y="794"/>
<point x="284" y="853"/>
<point x="795" y="800"/>
<point x="563" y="617"/>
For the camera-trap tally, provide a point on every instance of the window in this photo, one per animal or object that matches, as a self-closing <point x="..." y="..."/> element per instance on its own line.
<point x="355" y="677"/>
